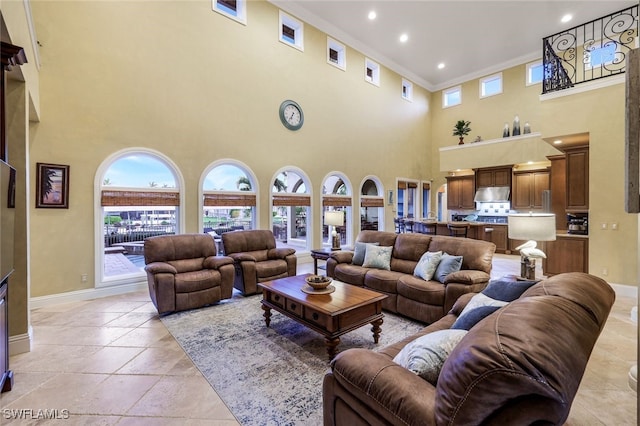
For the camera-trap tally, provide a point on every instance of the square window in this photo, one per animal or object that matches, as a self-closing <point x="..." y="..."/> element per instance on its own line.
<point x="535" y="73"/>
<point x="407" y="90"/>
<point x="371" y="72"/>
<point x="234" y="9"/>
<point x="336" y="54"/>
<point x="491" y="85"/>
<point x="291" y="31"/>
<point x="452" y="97"/>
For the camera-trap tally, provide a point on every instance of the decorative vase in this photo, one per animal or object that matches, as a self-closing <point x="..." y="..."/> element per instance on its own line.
<point x="461" y="140"/>
<point x="505" y="132"/>
<point x="527" y="128"/>
<point x="516" y="126"/>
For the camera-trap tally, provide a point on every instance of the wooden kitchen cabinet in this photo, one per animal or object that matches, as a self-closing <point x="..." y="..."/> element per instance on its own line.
<point x="493" y="176"/>
<point x="566" y="254"/>
<point x="496" y="234"/>
<point x="527" y="189"/>
<point x="558" y="187"/>
<point x="577" y="190"/>
<point x="460" y="192"/>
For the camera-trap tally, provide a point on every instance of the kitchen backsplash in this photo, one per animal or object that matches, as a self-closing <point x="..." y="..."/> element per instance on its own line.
<point x="493" y="208"/>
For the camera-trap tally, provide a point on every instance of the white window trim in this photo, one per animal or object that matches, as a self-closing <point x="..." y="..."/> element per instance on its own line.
<point x="375" y="68"/>
<point x="342" y="54"/>
<point x="487" y="79"/>
<point x="409" y="92"/>
<point x="241" y="11"/>
<point x="297" y="25"/>
<point x="448" y="92"/>
<point x="527" y="77"/>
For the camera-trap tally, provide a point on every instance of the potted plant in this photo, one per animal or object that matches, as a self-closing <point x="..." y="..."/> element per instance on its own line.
<point x="461" y="129"/>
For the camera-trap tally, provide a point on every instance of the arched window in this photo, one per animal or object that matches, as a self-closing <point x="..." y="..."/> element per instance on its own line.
<point x="336" y="195"/>
<point x="291" y="203"/>
<point x="228" y="198"/>
<point x="139" y="198"/>
<point x="372" y="204"/>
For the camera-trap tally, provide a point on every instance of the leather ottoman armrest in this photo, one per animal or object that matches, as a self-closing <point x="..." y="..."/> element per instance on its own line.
<point x="160" y="267"/>
<point x="391" y="391"/>
<point x="215" y="262"/>
<point x="467" y="277"/>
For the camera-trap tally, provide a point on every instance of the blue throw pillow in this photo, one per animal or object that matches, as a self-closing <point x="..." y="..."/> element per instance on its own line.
<point x="359" y="251"/>
<point x="447" y="265"/>
<point x="468" y="317"/>
<point x="506" y="290"/>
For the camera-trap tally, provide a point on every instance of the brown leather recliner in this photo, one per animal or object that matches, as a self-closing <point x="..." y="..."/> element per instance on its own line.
<point x="183" y="272"/>
<point x="257" y="259"/>
<point x="521" y="365"/>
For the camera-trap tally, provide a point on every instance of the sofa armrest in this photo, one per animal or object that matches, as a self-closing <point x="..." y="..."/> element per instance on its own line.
<point x="280" y="253"/>
<point x="215" y="262"/>
<point x="342" y="256"/>
<point x="160" y="267"/>
<point x="467" y="277"/>
<point x="242" y="257"/>
<point x="387" y="390"/>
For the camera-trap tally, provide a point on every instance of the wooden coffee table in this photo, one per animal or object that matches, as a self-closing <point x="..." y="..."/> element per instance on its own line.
<point x="332" y="315"/>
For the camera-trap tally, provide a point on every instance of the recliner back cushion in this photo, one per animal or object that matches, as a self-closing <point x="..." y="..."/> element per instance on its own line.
<point x="407" y="251"/>
<point x="248" y="241"/>
<point x="381" y="237"/>
<point x="170" y="248"/>
<point x="476" y="254"/>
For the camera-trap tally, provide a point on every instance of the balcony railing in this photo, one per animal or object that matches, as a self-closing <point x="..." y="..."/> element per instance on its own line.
<point x="590" y="51"/>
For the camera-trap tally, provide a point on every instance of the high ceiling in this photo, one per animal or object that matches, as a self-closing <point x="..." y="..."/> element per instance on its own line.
<point x="472" y="38"/>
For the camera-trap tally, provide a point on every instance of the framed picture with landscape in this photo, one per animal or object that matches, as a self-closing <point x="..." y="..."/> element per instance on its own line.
<point x="52" y="186"/>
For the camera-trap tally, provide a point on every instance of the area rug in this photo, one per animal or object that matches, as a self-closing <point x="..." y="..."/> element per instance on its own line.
<point x="267" y="376"/>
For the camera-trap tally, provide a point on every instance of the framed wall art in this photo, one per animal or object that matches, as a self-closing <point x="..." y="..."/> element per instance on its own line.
<point x="52" y="186"/>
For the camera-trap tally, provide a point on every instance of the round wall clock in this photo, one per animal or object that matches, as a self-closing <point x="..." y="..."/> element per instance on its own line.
<point x="291" y="115"/>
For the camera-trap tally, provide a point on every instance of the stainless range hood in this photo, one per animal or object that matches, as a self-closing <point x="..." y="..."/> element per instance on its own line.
<point x="492" y="194"/>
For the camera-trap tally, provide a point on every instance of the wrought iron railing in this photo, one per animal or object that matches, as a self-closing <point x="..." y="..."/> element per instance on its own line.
<point x="590" y="51"/>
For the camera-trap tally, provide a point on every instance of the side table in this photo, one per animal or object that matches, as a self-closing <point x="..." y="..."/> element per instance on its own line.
<point x="322" y="254"/>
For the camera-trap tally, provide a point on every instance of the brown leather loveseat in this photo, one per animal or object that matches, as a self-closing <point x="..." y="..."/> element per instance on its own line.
<point x="521" y="365"/>
<point x="183" y="272"/>
<point x="412" y="296"/>
<point x="257" y="259"/>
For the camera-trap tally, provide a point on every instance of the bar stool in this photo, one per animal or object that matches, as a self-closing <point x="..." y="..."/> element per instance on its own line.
<point x="399" y="222"/>
<point x="458" y="229"/>
<point x="429" y="228"/>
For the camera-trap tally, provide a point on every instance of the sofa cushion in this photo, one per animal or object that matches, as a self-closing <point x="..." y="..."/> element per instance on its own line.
<point x="427" y="265"/>
<point x="469" y="317"/>
<point x="378" y="257"/>
<point x="447" y="265"/>
<point x="425" y="355"/>
<point x="349" y="273"/>
<point x="507" y="290"/>
<point x="359" y="251"/>
<point x="383" y="280"/>
<point x="427" y="292"/>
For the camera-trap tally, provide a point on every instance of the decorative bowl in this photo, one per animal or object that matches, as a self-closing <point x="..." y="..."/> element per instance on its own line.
<point x="318" y="282"/>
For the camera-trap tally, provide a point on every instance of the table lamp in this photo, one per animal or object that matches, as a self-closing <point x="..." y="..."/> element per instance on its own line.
<point x="532" y="227"/>
<point x="334" y="218"/>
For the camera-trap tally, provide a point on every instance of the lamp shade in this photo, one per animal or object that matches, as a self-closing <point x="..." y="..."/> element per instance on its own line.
<point x="532" y="226"/>
<point x="334" y="218"/>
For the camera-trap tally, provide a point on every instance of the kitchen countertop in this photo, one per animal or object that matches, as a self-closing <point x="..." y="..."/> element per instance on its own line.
<point x="564" y="234"/>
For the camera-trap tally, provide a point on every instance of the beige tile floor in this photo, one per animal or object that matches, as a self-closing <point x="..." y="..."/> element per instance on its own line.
<point x="111" y="361"/>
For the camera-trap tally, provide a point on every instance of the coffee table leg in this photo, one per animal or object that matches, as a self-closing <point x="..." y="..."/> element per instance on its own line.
<point x="376" y="329"/>
<point x="331" y="346"/>
<point x="267" y="314"/>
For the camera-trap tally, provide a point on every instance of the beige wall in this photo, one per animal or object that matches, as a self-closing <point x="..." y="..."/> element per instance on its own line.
<point x="599" y="112"/>
<point x="198" y="89"/>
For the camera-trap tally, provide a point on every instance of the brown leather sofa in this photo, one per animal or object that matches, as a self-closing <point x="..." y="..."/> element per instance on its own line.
<point x="425" y="301"/>
<point x="257" y="259"/>
<point x="183" y="272"/>
<point x="521" y="365"/>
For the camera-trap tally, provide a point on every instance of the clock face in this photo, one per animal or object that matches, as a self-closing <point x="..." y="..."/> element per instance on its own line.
<point x="291" y="115"/>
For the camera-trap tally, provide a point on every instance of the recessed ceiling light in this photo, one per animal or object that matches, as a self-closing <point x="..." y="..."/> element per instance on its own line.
<point x="404" y="38"/>
<point x="557" y="141"/>
<point x="372" y="15"/>
<point x="441" y="65"/>
<point x="566" y="18"/>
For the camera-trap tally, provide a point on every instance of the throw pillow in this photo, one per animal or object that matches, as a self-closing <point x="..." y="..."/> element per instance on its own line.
<point x="426" y="355"/>
<point x="506" y="290"/>
<point x="447" y="265"/>
<point x="427" y="265"/>
<point x="468" y="318"/>
<point x="359" y="251"/>
<point x="378" y="257"/>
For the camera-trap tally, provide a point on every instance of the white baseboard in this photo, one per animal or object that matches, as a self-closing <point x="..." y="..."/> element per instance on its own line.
<point x="21" y="343"/>
<point x="625" y="290"/>
<point x="88" y="294"/>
